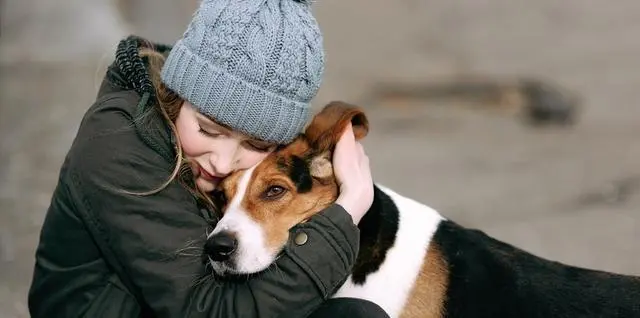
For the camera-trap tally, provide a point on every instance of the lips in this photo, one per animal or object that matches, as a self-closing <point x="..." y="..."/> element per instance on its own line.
<point x="206" y="175"/>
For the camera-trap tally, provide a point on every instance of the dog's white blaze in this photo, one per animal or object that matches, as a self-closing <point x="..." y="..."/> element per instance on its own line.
<point x="251" y="254"/>
<point x="391" y="285"/>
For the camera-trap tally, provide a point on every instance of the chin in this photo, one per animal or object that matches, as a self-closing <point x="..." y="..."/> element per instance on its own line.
<point x="229" y="269"/>
<point x="222" y="268"/>
<point x="205" y="185"/>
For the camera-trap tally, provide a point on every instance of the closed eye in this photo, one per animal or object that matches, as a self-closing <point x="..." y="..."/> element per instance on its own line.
<point x="209" y="133"/>
<point x="260" y="147"/>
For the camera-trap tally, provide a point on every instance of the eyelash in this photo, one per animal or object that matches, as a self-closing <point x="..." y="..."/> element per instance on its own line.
<point x="259" y="149"/>
<point x="208" y="134"/>
<point x="215" y="135"/>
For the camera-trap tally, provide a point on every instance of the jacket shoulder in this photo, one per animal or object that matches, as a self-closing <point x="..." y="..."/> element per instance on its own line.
<point x="112" y="145"/>
<point x="120" y="117"/>
<point x="109" y="113"/>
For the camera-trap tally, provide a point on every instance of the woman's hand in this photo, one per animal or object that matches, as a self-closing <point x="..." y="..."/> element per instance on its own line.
<point x="353" y="174"/>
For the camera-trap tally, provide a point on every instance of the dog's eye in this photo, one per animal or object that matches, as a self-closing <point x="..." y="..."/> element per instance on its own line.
<point x="274" y="192"/>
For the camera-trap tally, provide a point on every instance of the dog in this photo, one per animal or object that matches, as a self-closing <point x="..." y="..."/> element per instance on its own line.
<point x="412" y="261"/>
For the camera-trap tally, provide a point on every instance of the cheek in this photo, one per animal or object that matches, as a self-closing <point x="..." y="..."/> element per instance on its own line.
<point x="277" y="234"/>
<point x="278" y="225"/>
<point x="273" y="220"/>
<point x="251" y="158"/>
<point x="192" y="141"/>
<point x="305" y="206"/>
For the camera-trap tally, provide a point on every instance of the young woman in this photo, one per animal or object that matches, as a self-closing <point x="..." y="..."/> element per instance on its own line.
<point x="124" y="231"/>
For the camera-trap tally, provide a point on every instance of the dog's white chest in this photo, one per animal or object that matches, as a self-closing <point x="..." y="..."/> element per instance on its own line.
<point x="390" y="286"/>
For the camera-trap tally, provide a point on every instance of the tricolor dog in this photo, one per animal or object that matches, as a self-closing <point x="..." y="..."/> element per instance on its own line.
<point x="412" y="261"/>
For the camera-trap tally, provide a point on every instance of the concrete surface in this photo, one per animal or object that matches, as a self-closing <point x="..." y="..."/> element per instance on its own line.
<point x="568" y="194"/>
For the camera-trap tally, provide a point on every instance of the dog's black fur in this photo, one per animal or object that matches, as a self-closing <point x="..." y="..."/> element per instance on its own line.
<point x="378" y="229"/>
<point x="489" y="278"/>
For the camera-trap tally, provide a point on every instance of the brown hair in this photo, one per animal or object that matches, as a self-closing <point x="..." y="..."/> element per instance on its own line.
<point x="169" y="103"/>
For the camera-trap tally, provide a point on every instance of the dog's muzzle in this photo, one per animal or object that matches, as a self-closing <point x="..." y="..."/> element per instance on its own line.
<point x="221" y="246"/>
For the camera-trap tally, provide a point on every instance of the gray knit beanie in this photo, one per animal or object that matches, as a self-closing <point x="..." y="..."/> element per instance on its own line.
<point x="253" y="65"/>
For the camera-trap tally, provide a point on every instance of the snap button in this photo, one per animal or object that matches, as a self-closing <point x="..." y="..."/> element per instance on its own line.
<point x="301" y="238"/>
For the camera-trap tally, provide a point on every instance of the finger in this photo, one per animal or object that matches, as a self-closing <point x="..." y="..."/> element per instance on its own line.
<point x="347" y="140"/>
<point x="348" y="128"/>
<point x="364" y="161"/>
<point x="360" y="147"/>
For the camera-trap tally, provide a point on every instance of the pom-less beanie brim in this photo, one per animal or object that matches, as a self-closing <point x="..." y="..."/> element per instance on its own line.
<point x="233" y="101"/>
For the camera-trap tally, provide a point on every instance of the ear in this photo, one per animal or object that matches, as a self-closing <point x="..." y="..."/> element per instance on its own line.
<point x="321" y="168"/>
<point x="327" y="126"/>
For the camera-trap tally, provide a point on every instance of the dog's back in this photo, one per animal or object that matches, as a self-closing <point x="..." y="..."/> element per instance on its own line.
<point x="489" y="278"/>
<point x="415" y="263"/>
<point x="394" y="239"/>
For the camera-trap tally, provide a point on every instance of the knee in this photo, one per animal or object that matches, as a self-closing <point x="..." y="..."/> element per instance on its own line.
<point x="349" y="307"/>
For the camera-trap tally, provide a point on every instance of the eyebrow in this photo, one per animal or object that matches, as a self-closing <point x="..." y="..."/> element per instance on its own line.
<point x="211" y="121"/>
<point x="230" y="129"/>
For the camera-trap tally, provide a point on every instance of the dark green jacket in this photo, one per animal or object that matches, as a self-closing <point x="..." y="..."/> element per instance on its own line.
<point x="104" y="253"/>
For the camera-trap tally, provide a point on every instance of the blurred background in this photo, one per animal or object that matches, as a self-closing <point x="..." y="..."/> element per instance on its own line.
<point x="517" y="117"/>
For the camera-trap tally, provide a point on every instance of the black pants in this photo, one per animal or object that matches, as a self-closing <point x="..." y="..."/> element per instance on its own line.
<point x="349" y="308"/>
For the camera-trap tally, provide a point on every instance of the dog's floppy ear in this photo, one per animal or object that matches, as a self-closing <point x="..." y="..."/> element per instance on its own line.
<point x="325" y="130"/>
<point x="321" y="168"/>
<point x="327" y="126"/>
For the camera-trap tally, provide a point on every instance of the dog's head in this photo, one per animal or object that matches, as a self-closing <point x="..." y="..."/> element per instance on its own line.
<point x="261" y="204"/>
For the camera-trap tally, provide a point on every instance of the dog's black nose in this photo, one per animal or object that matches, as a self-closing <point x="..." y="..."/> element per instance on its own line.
<point x="221" y="246"/>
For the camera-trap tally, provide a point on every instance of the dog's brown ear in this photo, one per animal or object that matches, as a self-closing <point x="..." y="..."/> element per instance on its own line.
<point x="327" y="126"/>
<point x="321" y="168"/>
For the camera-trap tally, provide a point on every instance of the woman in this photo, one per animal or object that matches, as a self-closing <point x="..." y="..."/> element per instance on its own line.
<point x="124" y="231"/>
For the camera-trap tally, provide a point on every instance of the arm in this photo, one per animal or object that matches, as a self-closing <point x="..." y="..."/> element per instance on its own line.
<point x="145" y="234"/>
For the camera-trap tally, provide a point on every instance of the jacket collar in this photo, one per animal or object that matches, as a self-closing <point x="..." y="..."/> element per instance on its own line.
<point x="129" y="72"/>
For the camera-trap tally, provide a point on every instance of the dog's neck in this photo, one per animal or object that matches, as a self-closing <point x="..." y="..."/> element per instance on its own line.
<point x="378" y="230"/>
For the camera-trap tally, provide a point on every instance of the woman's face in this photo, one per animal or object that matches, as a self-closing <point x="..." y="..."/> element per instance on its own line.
<point x="213" y="150"/>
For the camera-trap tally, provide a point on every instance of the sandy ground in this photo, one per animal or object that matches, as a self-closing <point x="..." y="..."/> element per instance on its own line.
<point x="569" y="194"/>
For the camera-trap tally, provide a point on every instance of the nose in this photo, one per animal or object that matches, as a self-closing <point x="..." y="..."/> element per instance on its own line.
<point x="226" y="157"/>
<point x="221" y="246"/>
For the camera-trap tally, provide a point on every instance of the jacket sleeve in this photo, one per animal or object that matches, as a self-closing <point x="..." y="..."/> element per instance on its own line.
<point x="156" y="240"/>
